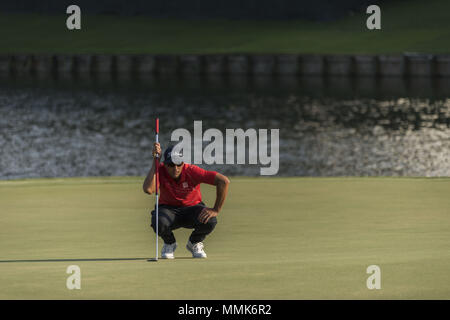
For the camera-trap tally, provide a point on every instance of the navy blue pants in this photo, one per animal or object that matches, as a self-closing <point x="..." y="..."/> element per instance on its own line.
<point x="171" y="218"/>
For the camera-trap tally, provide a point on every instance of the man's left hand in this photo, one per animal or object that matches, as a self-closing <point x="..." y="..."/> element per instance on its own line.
<point x="206" y="214"/>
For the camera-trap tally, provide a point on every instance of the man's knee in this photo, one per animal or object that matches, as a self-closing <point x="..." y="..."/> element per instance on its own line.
<point x="211" y="224"/>
<point x="164" y="222"/>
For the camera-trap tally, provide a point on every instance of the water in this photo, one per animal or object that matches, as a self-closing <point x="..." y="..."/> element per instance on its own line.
<point x="328" y="126"/>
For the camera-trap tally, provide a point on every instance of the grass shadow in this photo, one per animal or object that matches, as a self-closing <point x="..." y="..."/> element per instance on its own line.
<point x="91" y="259"/>
<point x="72" y="260"/>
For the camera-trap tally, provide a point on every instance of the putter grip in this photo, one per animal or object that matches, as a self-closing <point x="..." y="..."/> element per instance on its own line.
<point x="156" y="176"/>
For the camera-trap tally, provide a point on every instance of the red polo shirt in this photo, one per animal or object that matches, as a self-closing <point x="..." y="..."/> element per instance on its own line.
<point x="186" y="191"/>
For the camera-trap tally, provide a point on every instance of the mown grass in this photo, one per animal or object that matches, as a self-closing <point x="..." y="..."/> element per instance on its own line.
<point x="407" y="26"/>
<point x="280" y="238"/>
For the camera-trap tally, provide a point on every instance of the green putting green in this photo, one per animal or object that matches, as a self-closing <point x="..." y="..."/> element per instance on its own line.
<point x="411" y="26"/>
<point x="277" y="238"/>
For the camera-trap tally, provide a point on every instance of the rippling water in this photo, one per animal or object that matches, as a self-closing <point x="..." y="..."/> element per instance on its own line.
<point x="338" y="127"/>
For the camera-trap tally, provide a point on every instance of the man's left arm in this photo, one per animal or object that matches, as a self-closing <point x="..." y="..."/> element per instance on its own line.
<point x="221" y="182"/>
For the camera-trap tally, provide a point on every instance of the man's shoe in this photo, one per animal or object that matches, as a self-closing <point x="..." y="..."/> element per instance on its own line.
<point x="168" y="250"/>
<point x="196" y="249"/>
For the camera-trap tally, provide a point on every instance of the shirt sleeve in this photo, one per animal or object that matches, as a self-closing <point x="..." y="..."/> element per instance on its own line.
<point x="202" y="175"/>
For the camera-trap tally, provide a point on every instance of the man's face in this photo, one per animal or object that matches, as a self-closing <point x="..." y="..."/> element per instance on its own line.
<point x="174" y="170"/>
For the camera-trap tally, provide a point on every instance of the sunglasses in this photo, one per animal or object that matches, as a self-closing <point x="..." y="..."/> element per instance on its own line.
<point x="171" y="165"/>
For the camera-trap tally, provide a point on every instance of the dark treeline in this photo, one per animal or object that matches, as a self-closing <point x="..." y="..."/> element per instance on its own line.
<point x="318" y="10"/>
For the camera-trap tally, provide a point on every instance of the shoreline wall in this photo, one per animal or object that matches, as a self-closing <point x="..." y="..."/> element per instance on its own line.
<point x="404" y="65"/>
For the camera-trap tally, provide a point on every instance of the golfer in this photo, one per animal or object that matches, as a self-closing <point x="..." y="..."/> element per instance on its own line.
<point x="180" y="202"/>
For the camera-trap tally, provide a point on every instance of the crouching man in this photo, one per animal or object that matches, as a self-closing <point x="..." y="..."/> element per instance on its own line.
<point x="180" y="202"/>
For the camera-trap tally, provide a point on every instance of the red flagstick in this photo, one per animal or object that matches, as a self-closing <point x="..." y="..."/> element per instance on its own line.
<point x="157" y="183"/>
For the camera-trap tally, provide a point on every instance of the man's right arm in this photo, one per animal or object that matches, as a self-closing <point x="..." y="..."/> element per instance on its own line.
<point x="149" y="185"/>
<point x="150" y="181"/>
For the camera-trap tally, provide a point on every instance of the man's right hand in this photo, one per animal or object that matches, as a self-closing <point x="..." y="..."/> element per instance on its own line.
<point x="156" y="150"/>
